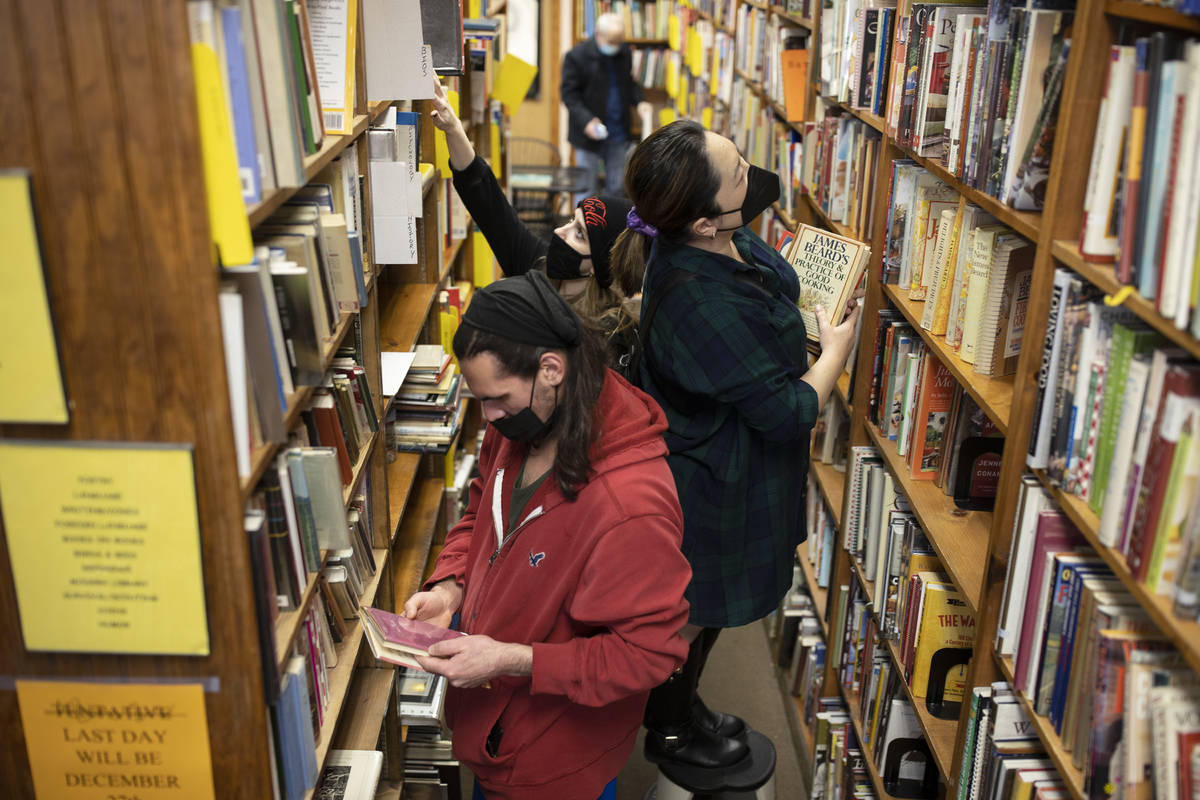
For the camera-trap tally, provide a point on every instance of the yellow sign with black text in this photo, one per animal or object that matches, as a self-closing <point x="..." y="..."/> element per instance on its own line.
<point x="104" y="541"/>
<point x="97" y="741"/>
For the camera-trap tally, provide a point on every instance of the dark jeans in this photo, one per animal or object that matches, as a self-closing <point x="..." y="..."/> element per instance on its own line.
<point x="670" y="704"/>
<point x="612" y="154"/>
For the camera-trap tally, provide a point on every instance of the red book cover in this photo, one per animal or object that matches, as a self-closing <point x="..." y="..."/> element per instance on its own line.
<point x="1182" y="380"/>
<point x="1133" y="168"/>
<point x="933" y="412"/>
<point x="1189" y="765"/>
<point x="329" y="428"/>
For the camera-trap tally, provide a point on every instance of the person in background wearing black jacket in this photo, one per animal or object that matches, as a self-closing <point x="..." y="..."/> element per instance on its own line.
<point x="576" y="257"/>
<point x="598" y="89"/>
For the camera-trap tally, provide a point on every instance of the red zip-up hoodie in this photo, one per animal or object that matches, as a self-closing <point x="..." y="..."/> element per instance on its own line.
<point x="595" y="585"/>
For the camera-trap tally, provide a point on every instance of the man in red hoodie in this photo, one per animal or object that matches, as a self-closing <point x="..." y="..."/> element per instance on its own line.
<point x="566" y="568"/>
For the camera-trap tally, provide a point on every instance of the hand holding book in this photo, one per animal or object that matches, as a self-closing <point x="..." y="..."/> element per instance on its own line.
<point x="471" y="661"/>
<point x="436" y="606"/>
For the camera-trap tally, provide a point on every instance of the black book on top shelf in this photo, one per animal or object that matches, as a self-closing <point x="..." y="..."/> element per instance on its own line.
<point x="442" y="25"/>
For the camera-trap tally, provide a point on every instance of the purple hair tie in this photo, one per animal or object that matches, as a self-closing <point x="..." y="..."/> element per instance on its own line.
<point x="636" y="223"/>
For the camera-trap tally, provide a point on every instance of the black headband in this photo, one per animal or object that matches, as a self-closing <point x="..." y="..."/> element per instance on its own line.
<point x="525" y="308"/>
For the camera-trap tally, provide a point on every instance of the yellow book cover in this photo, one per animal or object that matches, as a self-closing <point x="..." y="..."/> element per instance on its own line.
<point x="941" y="314"/>
<point x="223" y="188"/>
<point x="983" y="243"/>
<point x="946" y="624"/>
<point x="828" y="267"/>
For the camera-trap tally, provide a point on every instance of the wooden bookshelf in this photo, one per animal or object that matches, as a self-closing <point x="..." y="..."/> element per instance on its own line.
<point x="841" y="390"/>
<point x="414" y="539"/>
<point x="839" y="228"/>
<point x="331" y="147"/>
<point x="1071" y="775"/>
<point x="832" y="485"/>
<point x="939" y="733"/>
<point x="974" y="546"/>
<point x="401" y="473"/>
<point x="404" y="315"/>
<point x="297" y="402"/>
<point x="820" y="596"/>
<point x="364" y="456"/>
<point x="340" y="675"/>
<point x="643" y="42"/>
<point x="854" y="711"/>
<point x="994" y="395"/>
<point x="1103" y="276"/>
<point x="365" y="708"/>
<point x="1183" y="633"/>
<point x="1026" y="223"/>
<point x="958" y="537"/>
<point x="1160" y="16"/>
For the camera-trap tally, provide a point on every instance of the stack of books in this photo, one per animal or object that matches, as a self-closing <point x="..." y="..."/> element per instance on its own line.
<point x="428" y="410"/>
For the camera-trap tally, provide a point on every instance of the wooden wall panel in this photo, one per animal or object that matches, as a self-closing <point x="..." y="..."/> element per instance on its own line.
<point x="97" y="101"/>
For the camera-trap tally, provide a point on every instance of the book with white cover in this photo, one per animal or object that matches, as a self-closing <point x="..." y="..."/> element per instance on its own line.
<point x="350" y="775"/>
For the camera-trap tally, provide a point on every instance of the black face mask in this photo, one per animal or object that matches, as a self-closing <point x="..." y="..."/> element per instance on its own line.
<point x="525" y="425"/>
<point x="562" y="261"/>
<point x="762" y="189"/>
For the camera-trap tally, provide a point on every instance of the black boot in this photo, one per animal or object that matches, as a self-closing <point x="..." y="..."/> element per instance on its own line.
<point x="716" y="722"/>
<point x="695" y="746"/>
<point x="672" y="733"/>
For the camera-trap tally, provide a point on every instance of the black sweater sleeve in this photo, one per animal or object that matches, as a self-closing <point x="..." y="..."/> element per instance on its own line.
<point x="516" y="248"/>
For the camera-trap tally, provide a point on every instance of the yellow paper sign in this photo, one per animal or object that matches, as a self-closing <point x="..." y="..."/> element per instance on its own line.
<point x="674" y="39"/>
<point x="512" y="82"/>
<point x="695" y="52"/>
<point x="672" y="77"/>
<point x="105" y="547"/>
<point x="96" y="741"/>
<point x="706" y="118"/>
<point x="484" y="267"/>
<point x="452" y="99"/>
<point x="28" y="354"/>
<point x="666" y="116"/>
<point x="226" y="209"/>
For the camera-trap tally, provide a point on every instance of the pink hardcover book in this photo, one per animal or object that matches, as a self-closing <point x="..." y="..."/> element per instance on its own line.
<point x="1055" y="533"/>
<point x="409" y="635"/>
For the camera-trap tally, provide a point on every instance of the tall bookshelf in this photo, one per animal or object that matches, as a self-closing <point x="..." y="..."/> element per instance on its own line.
<point x="974" y="547"/>
<point x="100" y="109"/>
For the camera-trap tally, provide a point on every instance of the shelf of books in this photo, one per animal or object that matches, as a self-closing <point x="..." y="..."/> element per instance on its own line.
<point x="1071" y="775"/>
<point x="1030" y="329"/>
<point x="958" y="538"/>
<point x="993" y="395"/>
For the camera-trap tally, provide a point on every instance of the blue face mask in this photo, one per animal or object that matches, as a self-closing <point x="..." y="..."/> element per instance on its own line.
<point x="609" y="49"/>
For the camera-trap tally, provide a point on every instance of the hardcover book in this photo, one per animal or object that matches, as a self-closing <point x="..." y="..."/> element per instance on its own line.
<point x="828" y="267"/>
<point x="395" y="639"/>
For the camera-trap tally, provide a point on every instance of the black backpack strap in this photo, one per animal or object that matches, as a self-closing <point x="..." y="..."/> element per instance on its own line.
<point x="676" y="396"/>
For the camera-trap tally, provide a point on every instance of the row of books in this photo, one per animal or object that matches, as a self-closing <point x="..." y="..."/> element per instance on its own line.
<point x="650" y="67"/>
<point x="298" y="713"/>
<point x="750" y="41"/>
<point x="839" y="771"/>
<point x="1003" y="759"/>
<point x="269" y="84"/>
<point x="972" y="273"/>
<point x="891" y="732"/>
<point x="840" y="157"/>
<point x="1115" y="424"/>
<point x="644" y="19"/>
<point x="785" y="66"/>
<point x="938" y="427"/>
<point x="1087" y="656"/>
<point x="1141" y="205"/>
